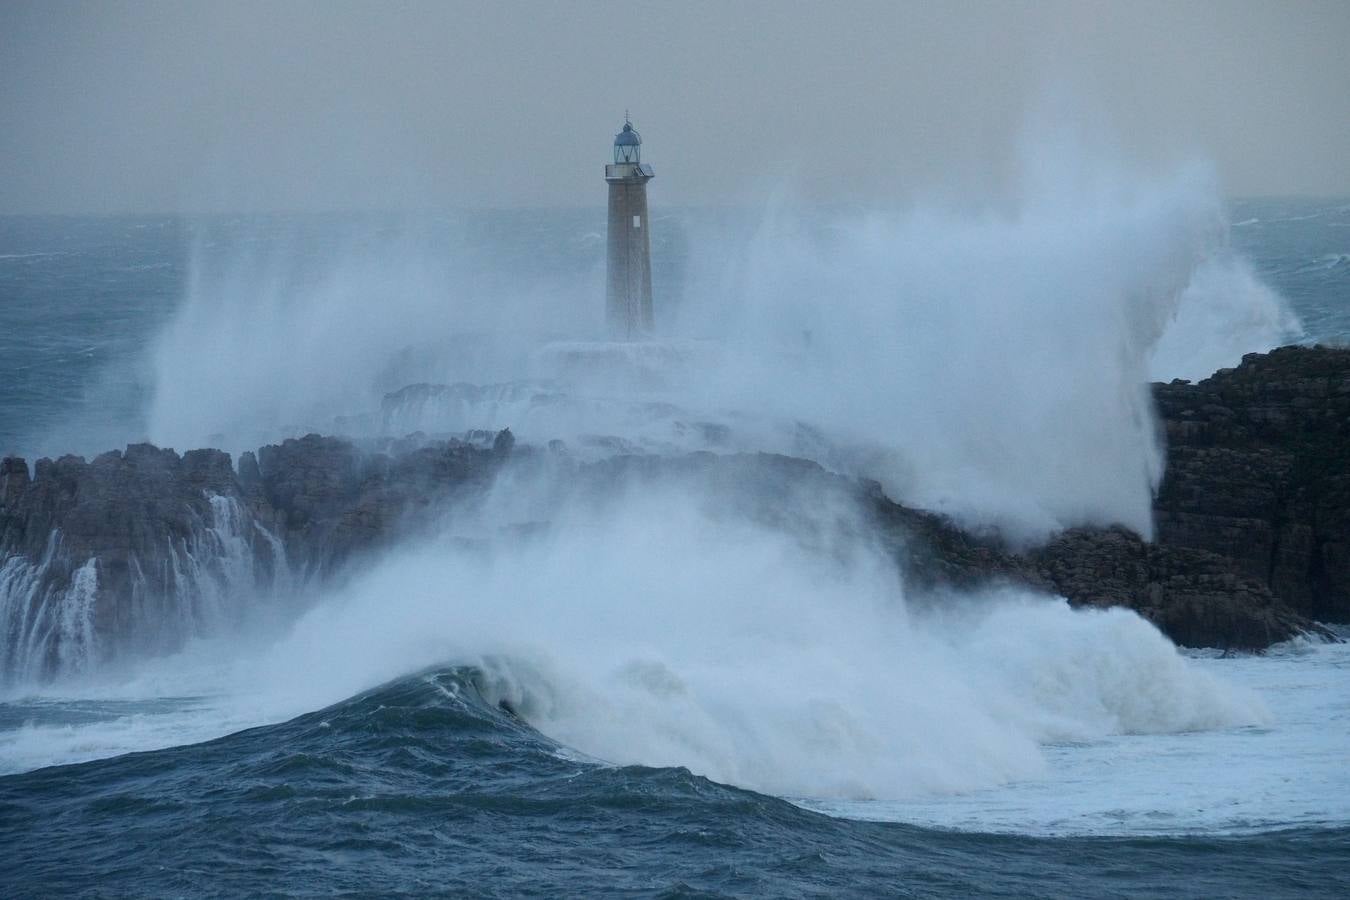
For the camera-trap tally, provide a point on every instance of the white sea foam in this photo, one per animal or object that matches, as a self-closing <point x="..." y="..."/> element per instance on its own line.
<point x="1287" y="774"/>
<point x="802" y="672"/>
<point x="761" y="665"/>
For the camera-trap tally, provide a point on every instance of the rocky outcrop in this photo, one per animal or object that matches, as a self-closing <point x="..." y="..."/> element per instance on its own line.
<point x="1253" y="515"/>
<point x="117" y="504"/>
<point x="1195" y="597"/>
<point x="126" y="548"/>
<point x="1258" y="473"/>
<point x="330" y="499"/>
<point x="140" y="549"/>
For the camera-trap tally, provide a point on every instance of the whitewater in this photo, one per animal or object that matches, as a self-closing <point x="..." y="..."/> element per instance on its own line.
<point x="654" y="645"/>
<point x="1004" y="712"/>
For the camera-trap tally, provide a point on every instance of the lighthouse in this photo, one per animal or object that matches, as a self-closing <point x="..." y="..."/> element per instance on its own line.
<point x="628" y="296"/>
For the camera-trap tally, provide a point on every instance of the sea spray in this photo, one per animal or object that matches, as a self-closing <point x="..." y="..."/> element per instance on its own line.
<point x="291" y="326"/>
<point x="1225" y="311"/>
<point x="786" y="661"/>
<point x="990" y="364"/>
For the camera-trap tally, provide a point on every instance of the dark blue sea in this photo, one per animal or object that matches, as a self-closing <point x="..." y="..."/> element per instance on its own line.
<point x="296" y="763"/>
<point x="419" y="787"/>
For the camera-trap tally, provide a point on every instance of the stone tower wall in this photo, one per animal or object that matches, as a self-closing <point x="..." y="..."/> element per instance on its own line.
<point x="629" y="260"/>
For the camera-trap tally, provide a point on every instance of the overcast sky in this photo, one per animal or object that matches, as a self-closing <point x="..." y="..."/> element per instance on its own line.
<point x="112" y="107"/>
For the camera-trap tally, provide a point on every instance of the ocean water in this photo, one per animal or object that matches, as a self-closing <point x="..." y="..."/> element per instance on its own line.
<point x="755" y="724"/>
<point x="421" y="787"/>
<point x="1300" y="248"/>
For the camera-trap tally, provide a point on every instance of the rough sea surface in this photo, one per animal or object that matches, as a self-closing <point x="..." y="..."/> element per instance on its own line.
<point x="163" y="785"/>
<point x="419" y="787"/>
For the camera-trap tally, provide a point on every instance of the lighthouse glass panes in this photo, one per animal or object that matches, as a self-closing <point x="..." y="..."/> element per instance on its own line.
<point x="627" y="145"/>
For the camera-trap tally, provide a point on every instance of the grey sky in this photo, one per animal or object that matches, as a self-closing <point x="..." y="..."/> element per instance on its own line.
<point x="108" y="107"/>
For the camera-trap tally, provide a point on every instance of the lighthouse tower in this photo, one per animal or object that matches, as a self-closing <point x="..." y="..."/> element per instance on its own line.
<point x="628" y="299"/>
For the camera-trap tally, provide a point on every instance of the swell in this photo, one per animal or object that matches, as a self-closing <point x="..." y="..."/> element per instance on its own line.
<point x="425" y="785"/>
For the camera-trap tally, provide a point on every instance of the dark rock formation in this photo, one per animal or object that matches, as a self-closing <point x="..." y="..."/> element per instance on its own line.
<point x="142" y="549"/>
<point x="146" y="515"/>
<point x="1253" y="515"/>
<point x="330" y="500"/>
<point x="1253" y="518"/>
<point x="1258" y="472"/>
<point x="1193" y="596"/>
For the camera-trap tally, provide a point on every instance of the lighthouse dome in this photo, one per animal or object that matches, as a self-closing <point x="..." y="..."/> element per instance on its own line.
<point x="627" y="145"/>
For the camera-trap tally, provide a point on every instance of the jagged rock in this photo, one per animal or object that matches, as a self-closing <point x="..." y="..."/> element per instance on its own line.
<point x="332" y="499"/>
<point x="1193" y="596"/>
<point x="105" y="548"/>
<point x="1258" y="471"/>
<point x="140" y="549"/>
<point x="250" y="475"/>
<point x="1253" y="520"/>
<point x="13" y="478"/>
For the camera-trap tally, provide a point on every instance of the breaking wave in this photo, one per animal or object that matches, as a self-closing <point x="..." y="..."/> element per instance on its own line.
<point x="799" y="671"/>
